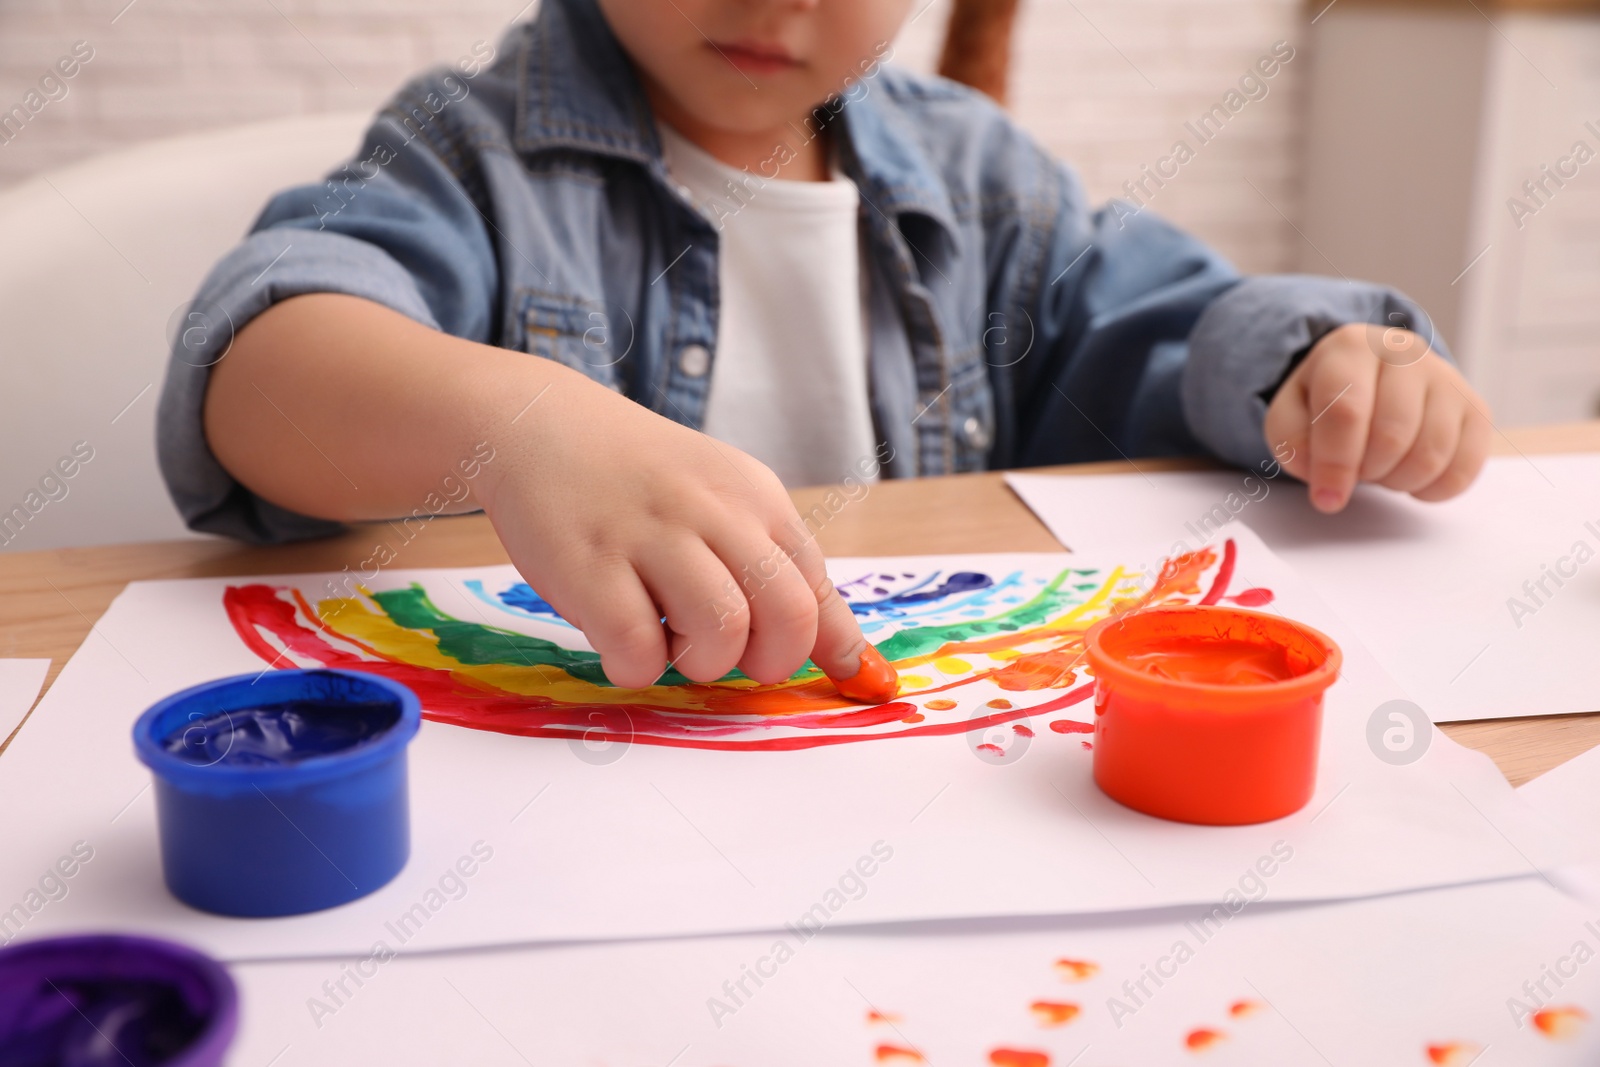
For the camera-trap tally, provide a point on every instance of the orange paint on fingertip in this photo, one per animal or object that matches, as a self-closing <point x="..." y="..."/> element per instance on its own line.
<point x="1202" y="1039"/>
<point x="875" y="682"/>
<point x="1560" y="1024"/>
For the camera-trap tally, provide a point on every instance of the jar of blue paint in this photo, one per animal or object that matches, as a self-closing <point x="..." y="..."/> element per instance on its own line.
<point x="281" y="793"/>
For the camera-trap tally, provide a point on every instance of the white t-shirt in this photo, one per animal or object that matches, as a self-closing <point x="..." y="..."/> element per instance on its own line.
<point x="789" y="380"/>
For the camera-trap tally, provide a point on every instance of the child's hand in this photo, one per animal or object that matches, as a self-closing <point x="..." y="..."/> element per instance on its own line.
<point x="620" y="517"/>
<point x="1376" y="404"/>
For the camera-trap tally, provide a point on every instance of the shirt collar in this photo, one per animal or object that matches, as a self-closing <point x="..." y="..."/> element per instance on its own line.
<point x="579" y="90"/>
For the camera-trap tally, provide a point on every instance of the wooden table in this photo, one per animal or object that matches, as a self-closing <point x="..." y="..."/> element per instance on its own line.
<point x="51" y="599"/>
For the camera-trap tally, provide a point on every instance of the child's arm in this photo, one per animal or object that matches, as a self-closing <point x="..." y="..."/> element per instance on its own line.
<point x="1374" y="403"/>
<point x="337" y="407"/>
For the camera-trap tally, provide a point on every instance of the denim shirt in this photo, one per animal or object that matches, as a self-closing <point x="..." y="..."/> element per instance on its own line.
<point x="523" y="203"/>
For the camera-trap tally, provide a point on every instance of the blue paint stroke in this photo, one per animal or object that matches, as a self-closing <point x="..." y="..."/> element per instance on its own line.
<point x="519" y="599"/>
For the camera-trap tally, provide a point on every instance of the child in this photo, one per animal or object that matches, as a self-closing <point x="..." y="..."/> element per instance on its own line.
<point x="731" y="216"/>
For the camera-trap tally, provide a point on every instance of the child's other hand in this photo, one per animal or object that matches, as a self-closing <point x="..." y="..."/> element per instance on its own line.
<point x="1376" y="404"/>
<point x="620" y="517"/>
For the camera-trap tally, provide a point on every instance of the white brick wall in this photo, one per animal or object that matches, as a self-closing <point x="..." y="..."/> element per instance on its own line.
<point x="1105" y="83"/>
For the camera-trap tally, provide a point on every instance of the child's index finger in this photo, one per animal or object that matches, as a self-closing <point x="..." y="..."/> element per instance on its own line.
<point x="843" y="653"/>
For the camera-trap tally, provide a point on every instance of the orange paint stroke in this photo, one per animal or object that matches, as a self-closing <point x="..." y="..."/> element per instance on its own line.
<point x="1560" y="1024"/>
<point x="1076" y="970"/>
<point x="1202" y="1039"/>
<point x="896" y="1054"/>
<point x="1242" y="1009"/>
<point x="1016" y="1057"/>
<point x="1053" y="1012"/>
<point x="1453" y="1053"/>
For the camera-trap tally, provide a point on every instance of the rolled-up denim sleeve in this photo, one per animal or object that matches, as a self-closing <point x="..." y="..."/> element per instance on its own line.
<point x="1245" y="341"/>
<point x="405" y="234"/>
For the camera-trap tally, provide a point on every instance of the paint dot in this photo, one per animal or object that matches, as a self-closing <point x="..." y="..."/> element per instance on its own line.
<point x="941" y="704"/>
<point x="993" y="750"/>
<point x="1453" y="1054"/>
<point x="1086" y="745"/>
<point x="1252" y="598"/>
<point x="1022" y="731"/>
<point x="1016" y="1057"/>
<point x="1000" y="703"/>
<point x="1243" y="1009"/>
<point x="1200" y="1040"/>
<point x="952" y="665"/>
<point x="896" y="1054"/>
<point x="1072" y="726"/>
<point x="915" y="716"/>
<point x="914" y="681"/>
<point x="1560" y="1024"/>
<point x="1053" y="1013"/>
<point x="1076" y="970"/>
<point x="876" y="1016"/>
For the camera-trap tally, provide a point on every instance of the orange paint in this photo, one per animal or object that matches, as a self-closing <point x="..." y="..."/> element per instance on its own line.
<point x="1207" y="714"/>
<point x="1200" y="1040"/>
<point x="1560" y="1024"/>
<point x="1077" y="970"/>
<point x="941" y="704"/>
<point x="876" y="1016"/>
<point x="876" y="682"/>
<point x="1453" y="1054"/>
<point x="1055" y="669"/>
<point x="1016" y="1057"/>
<point x="1053" y="1013"/>
<point x="999" y="704"/>
<point x="896" y="1054"/>
<point x="915" y="716"/>
<point x="1210" y="661"/>
<point x="1242" y="1009"/>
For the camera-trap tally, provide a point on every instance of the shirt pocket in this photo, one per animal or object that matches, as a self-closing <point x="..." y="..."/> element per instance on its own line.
<point x="582" y="334"/>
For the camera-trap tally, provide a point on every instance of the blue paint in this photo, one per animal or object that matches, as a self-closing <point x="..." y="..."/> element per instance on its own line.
<point x="957" y="584"/>
<point x="280" y="733"/>
<point x="257" y="838"/>
<point x="519" y="599"/>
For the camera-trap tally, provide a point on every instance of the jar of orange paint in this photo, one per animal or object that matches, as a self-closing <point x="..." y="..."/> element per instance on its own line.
<point x="1208" y="714"/>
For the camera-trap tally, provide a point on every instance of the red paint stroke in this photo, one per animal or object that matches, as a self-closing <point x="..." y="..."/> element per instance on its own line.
<point x="1253" y="597"/>
<point x="993" y="750"/>
<point x="1072" y="726"/>
<point x="1219" y="584"/>
<point x="453" y="698"/>
<point x="1016" y="1057"/>
<point x="1200" y="1040"/>
<point x="1076" y="970"/>
<point x="1087" y="745"/>
<point x="1054" y="1012"/>
<point x="896" y="1054"/>
<point x="1022" y="731"/>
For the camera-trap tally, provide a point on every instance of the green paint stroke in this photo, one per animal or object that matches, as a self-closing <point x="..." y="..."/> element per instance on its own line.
<point x="475" y="644"/>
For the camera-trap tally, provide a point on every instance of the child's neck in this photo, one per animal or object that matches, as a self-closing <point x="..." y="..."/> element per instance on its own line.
<point x="791" y="152"/>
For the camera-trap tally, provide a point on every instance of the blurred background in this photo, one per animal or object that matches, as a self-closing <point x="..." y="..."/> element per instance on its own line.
<point x="1442" y="146"/>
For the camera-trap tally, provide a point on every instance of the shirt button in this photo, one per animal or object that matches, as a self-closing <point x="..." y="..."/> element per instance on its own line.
<point x="694" y="360"/>
<point x="975" y="432"/>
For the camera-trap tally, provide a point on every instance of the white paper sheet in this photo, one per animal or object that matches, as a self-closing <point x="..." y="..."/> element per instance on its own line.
<point x="20" y="682"/>
<point x="682" y="841"/>
<point x="1448" y="596"/>
<point x="1375" y="983"/>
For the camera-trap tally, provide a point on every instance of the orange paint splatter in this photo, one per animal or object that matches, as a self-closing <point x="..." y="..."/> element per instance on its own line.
<point x="1000" y="704"/>
<point x="993" y="750"/>
<point x="1453" y="1054"/>
<point x="1076" y="970"/>
<point x="876" y="1016"/>
<point x="1560" y="1024"/>
<point x="1054" y="669"/>
<point x="941" y="704"/>
<point x="1053" y="1013"/>
<point x="1086" y="744"/>
<point x="1242" y="1009"/>
<point x="1016" y="1057"/>
<point x="915" y="716"/>
<point x="1202" y="1039"/>
<point x="1022" y="731"/>
<point x="896" y="1054"/>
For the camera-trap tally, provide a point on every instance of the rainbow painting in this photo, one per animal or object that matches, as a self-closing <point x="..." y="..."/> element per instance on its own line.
<point x="974" y="650"/>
